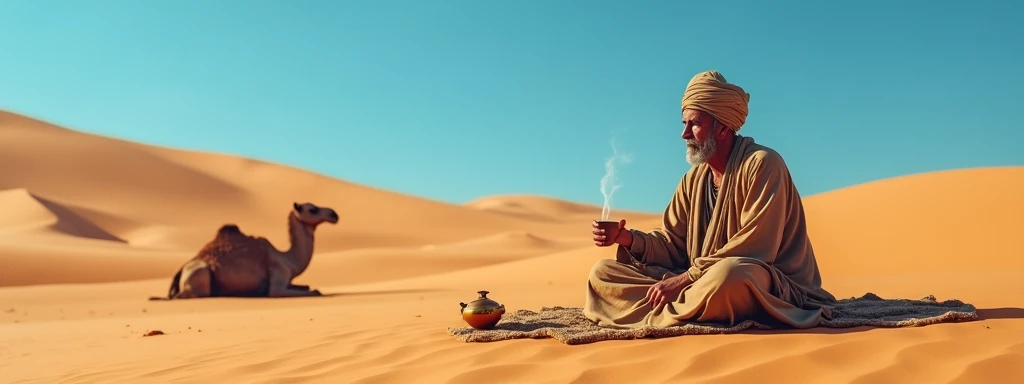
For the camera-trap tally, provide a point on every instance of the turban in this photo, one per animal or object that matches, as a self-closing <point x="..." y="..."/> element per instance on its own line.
<point x="709" y="92"/>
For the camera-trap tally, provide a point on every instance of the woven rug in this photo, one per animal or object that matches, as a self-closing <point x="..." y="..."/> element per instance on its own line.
<point x="567" y="324"/>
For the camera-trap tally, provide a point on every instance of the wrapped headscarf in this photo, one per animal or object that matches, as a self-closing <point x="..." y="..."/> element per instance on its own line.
<point x="709" y="92"/>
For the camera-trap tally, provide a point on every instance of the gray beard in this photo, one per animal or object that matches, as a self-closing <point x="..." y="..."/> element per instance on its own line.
<point x="702" y="153"/>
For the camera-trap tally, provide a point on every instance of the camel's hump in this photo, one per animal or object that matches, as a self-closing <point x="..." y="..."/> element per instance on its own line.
<point x="229" y="229"/>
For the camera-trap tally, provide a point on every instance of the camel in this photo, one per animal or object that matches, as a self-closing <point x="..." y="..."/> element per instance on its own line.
<point x="234" y="264"/>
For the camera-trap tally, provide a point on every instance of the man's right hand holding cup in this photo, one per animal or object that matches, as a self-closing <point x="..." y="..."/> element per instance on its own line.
<point x="607" y="232"/>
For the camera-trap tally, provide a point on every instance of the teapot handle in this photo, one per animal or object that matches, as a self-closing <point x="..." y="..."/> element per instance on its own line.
<point x="463" y="305"/>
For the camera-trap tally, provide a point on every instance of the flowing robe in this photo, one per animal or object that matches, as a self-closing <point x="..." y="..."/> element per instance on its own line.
<point x="745" y="248"/>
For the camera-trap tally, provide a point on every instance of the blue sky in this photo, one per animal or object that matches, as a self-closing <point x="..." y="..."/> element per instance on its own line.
<point x="454" y="100"/>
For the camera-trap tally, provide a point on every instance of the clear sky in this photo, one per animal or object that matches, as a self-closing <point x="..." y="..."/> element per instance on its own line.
<point x="453" y="100"/>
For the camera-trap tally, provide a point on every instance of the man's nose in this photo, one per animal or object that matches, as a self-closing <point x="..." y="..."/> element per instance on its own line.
<point x="687" y="134"/>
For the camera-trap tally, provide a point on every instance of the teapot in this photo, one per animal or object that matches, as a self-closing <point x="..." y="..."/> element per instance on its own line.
<point x="482" y="313"/>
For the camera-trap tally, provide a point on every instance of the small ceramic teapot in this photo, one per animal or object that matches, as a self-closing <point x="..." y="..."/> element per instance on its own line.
<point x="482" y="313"/>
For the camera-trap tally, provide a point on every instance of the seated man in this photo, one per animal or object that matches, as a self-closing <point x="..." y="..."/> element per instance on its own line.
<point x="733" y="243"/>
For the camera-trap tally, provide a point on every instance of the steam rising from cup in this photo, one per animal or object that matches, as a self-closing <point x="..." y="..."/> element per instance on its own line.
<point x="609" y="183"/>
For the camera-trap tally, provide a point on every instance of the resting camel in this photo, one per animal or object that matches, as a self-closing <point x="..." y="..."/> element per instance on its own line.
<point x="239" y="265"/>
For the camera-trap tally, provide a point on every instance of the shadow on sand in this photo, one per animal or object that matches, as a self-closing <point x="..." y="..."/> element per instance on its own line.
<point x="322" y="295"/>
<point x="983" y="314"/>
<point x="1001" y="313"/>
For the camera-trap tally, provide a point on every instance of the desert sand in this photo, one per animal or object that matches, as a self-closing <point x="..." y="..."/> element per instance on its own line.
<point x="93" y="226"/>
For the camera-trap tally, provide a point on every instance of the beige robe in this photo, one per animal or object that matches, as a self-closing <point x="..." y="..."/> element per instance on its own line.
<point x="752" y="260"/>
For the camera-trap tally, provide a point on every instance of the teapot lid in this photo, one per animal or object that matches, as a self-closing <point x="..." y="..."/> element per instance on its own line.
<point x="483" y="302"/>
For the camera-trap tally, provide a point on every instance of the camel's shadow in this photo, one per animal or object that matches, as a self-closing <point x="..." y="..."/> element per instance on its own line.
<point x="365" y="293"/>
<point x="320" y="296"/>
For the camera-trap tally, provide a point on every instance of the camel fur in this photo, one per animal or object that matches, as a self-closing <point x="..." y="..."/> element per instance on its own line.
<point x="234" y="264"/>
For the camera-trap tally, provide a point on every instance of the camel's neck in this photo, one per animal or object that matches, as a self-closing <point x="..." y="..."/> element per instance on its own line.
<point x="301" y="238"/>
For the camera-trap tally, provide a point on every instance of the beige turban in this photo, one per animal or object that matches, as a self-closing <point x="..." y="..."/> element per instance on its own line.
<point x="709" y="92"/>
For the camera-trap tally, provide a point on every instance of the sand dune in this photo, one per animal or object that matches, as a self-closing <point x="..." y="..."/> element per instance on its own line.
<point x="201" y="191"/>
<point x="94" y="226"/>
<point x="541" y="208"/>
<point x="510" y="240"/>
<point x="31" y="212"/>
<point x="935" y="222"/>
<point x="172" y="201"/>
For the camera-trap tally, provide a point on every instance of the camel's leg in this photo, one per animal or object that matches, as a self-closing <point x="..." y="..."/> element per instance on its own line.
<point x="280" y="285"/>
<point x="298" y="287"/>
<point x="195" y="280"/>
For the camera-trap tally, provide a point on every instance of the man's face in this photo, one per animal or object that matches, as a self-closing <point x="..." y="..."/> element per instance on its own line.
<point x="699" y="133"/>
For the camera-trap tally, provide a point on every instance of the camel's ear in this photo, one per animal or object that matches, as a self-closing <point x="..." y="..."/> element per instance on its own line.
<point x="297" y="207"/>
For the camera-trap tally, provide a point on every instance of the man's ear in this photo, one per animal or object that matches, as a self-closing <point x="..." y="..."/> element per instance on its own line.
<point x="720" y="129"/>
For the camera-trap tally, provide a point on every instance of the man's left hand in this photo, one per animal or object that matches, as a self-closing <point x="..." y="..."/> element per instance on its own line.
<point x="667" y="289"/>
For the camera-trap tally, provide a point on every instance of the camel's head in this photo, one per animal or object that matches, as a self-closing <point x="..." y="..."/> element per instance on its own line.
<point x="311" y="214"/>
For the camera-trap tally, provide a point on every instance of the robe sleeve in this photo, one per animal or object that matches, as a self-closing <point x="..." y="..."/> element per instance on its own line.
<point x="765" y="208"/>
<point x="664" y="246"/>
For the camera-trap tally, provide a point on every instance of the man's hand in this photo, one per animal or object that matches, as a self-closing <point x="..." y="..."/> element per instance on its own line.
<point x="604" y="237"/>
<point x="667" y="289"/>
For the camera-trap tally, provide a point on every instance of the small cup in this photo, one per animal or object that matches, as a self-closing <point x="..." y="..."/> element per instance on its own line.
<point x="611" y="229"/>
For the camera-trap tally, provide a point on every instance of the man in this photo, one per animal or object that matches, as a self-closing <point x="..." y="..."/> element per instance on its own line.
<point x="733" y="243"/>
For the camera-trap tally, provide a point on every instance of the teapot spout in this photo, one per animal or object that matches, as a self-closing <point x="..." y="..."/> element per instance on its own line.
<point x="463" y="305"/>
